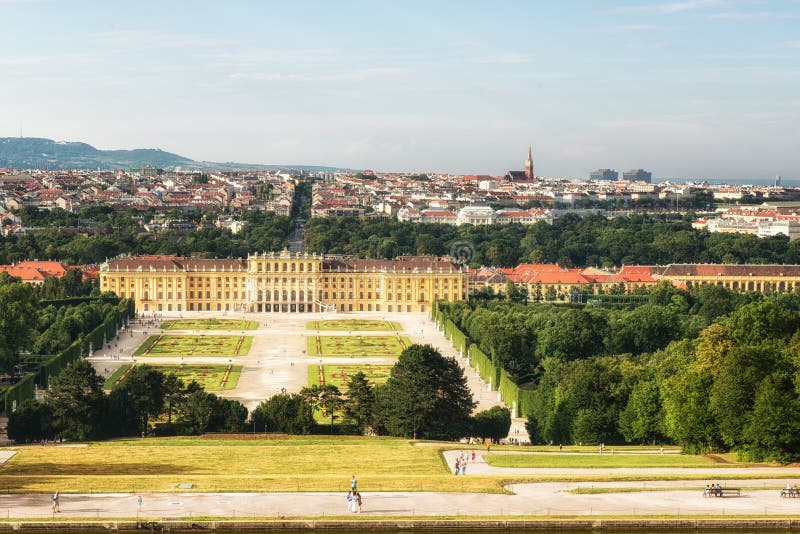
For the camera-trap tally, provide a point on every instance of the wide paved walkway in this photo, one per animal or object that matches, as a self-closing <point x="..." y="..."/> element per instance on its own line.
<point x="549" y="499"/>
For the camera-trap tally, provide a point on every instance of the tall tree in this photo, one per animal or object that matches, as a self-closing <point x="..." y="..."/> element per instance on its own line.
<point x="359" y="405"/>
<point x="288" y="413"/>
<point x="76" y="399"/>
<point x="18" y="314"/>
<point x="426" y="396"/>
<point x="492" y="424"/>
<point x="144" y="387"/>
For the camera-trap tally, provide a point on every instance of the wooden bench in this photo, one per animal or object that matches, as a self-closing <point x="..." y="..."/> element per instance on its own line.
<point x="724" y="492"/>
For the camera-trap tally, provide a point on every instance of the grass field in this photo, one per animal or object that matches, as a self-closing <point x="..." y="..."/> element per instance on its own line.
<point x="305" y="463"/>
<point x="357" y="346"/>
<point x="174" y="345"/>
<point x="249" y="462"/>
<point x="338" y="375"/>
<point x="209" y="324"/>
<point x="600" y="461"/>
<point x="208" y="376"/>
<point x="375" y="325"/>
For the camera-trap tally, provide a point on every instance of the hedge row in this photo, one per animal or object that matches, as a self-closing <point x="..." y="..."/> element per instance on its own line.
<point x="483" y="364"/>
<point x="510" y="391"/>
<point x="84" y="344"/>
<point x="513" y="393"/>
<point x="24" y="389"/>
<point x="74" y="301"/>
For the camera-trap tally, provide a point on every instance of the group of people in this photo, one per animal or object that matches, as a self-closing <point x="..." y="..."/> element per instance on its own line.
<point x="790" y="491"/>
<point x="713" y="490"/>
<point x="461" y="463"/>
<point x="354" y="497"/>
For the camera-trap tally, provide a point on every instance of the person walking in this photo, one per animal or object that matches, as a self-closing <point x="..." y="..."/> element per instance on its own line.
<point x="138" y="505"/>
<point x="353" y="483"/>
<point x="351" y="501"/>
<point x="358" y="501"/>
<point x="56" y="504"/>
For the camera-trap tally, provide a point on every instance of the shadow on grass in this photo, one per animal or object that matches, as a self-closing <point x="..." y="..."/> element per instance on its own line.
<point x="97" y="469"/>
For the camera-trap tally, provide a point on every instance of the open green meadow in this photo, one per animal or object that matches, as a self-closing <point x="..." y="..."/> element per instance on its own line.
<point x="209" y="324"/>
<point x="234" y="463"/>
<point x="357" y="346"/>
<point x="175" y="345"/>
<point x="209" y="376"/>
<point x="606" y="460"/>
<point x="375" y="325"/>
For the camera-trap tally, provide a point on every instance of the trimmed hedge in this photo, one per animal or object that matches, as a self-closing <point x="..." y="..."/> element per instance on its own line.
<point x="483" y="364"/>
<point x="456" y="336"/>
<point x="512" y="393"/>
<point x="24" y="389"/>
<point x="501" y="381"/>
<point x="74" y="301"/>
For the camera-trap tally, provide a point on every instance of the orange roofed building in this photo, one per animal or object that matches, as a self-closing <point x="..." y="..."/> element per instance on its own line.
<point x="34" y="272"/>
<point x="551" y="278"/>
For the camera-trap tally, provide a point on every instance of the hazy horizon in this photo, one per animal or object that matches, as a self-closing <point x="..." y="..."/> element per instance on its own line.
<point x="705" y="88"/>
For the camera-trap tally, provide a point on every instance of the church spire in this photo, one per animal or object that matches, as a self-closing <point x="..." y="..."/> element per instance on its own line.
<point x="529" y="166"/>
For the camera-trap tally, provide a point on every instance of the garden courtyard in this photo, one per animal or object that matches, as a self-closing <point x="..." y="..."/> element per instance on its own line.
<point x="198" y="345"/>
<point x="211" y="377"/>
<point x="355" y="325"/>
<point x="357" y="346"/>
<point x="209" y="324"/>
<point x="339" y="375"/>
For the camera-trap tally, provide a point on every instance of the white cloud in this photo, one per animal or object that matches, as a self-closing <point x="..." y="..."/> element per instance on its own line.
<point x="792" y="44"/>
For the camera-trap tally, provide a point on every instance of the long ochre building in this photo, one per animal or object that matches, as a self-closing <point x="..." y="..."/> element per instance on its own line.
<point x="285" y="282"/>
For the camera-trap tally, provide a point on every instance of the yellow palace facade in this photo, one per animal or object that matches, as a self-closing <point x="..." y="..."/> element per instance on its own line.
<point x="285" y="282"/>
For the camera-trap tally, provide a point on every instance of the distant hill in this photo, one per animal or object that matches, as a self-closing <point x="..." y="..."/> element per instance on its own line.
<point x="39" y="153"/>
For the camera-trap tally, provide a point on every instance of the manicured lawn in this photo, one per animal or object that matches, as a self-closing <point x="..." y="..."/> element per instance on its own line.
<point x="208" y="376"/>
<point x="339" y="375"/>
<point x="174" y="345"/>
<point x="375" y="325"/>
<point x="209" y="324"/>
<point x="304" y="463"/>
<point x="357" y="346"/>
<point x="605" y="460"/>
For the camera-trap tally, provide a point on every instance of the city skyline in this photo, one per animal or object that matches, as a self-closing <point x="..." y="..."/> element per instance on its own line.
<point x="699" y="88"/>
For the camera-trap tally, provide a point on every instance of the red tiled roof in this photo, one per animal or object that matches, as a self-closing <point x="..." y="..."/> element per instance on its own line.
<point x="564" y="277"/>
<point x="29" y="271"/>
<point x="731" y="270"/>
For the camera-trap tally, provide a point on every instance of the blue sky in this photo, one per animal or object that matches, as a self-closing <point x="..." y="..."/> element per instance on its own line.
<point x="684" y="88"/>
